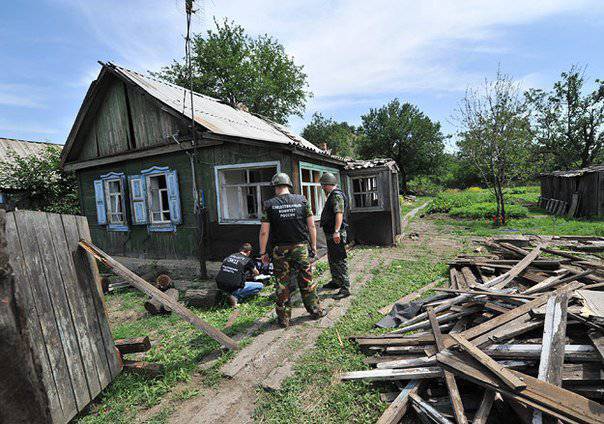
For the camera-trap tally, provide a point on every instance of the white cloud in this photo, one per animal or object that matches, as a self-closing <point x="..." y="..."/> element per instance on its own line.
<point x="20" y="95"/>
<point x="352" y="50"/>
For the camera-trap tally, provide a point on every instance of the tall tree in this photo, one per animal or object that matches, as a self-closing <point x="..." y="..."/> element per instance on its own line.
<point x="340" y="137"/>
<point x="569" y="123"/>
<point x="495" y="134"/>
<point x="44" y="185"/>
<point x="241" y="70"/>
<point x="401" y="131"/>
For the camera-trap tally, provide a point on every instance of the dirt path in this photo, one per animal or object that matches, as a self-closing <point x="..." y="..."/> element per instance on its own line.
<point x="269" y="359"/>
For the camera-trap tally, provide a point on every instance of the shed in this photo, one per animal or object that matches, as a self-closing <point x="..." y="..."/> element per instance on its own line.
<point x="140" y="168"/>
<point x="580" y="192"/>
<point x="373" y="189"/>
<point x="11" y="197"/>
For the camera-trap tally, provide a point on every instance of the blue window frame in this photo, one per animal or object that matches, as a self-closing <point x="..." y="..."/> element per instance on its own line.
<point x="155" y="199"/>
<point x="110" y="199"/>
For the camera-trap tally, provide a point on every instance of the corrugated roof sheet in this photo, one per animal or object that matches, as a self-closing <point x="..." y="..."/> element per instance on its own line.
<point x="215" y="115"/>
<point x="372" y="163"/>
<point x="575" y="172"/>
<point x="22" y="148"/>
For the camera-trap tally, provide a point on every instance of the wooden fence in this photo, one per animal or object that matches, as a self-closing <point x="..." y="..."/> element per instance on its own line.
<point x="56" y="294"/>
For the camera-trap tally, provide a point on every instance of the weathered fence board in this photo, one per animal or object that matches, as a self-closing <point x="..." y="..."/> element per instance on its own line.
<point x="56" y="283"/>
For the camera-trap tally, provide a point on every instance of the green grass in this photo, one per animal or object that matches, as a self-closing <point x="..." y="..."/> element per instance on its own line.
<point x="313" y="394"/>
<point x="487" y="210"/>
<point x="178" y="346"/>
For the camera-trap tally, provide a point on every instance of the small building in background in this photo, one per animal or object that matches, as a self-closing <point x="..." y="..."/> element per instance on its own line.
<point x="574" y="193"/>
<point x="12" y="197"/>
<point x="141" y="165"/>
<point x="373" y="190"/>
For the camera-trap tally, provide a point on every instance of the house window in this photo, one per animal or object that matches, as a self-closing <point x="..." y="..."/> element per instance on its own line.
<point x="242" y="190"/>
<point x="110" y="201"/>
<point x="159" y="205"/>
<point x="365" y="192"/>
<point x="310" y="175"/>
<point x="114" y="190"/>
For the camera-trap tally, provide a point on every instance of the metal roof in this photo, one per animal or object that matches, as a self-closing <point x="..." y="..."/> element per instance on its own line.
<point x="371" y="163"/>
<point x="215" y="115"/>
<point x="575" y="172"/>
<point x="22" y="148"/>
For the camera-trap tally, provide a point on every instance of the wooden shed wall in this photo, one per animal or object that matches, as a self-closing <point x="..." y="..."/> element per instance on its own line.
<point x="590" y="187"/>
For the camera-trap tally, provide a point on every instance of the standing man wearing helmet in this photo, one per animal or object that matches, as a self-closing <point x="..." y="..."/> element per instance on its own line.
<point x="289" y="219"/>
<point x="334" y="224"/>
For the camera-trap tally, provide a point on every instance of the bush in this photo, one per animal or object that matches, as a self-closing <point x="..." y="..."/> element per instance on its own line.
<point x="450" y="199"/>
<point x="487" y="210"/>
<point x="424" y="186"/>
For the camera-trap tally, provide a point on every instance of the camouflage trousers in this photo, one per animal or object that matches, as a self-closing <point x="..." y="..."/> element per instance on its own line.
<point x="337" y="258"/>
<point x="286" y="262"/>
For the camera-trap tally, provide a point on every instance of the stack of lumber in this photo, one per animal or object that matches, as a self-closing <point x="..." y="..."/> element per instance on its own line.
<point x="516" y="335"/>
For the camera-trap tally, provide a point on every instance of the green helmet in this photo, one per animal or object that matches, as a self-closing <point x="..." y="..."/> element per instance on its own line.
<point x="281" y="179"/>
<point x="328" y="179"/>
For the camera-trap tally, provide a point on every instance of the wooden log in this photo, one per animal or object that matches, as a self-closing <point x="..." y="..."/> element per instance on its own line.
<point x="133" y="345"/>
<point x="200" y="298"/>
<point x="149" y="289"/>
<point x="553" y="400"/>
<point x="449" y="378"/>
<point x="148" y="369"/>
<point x="503" y="373"/>
<point x="572" y="353"/>
<point x="155" y="306"/>
<point x="398" y="408"/>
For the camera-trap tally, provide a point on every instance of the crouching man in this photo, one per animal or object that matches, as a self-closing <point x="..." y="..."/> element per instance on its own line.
<point x="234" y="272"/>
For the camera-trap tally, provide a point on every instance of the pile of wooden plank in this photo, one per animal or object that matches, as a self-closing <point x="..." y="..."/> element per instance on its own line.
<point x="516" y="335"/>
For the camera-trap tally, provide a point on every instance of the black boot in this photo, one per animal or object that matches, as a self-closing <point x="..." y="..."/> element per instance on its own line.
<point x="344" y="292"/>
<point x="319" y="314"/>
<point x="331" y="285"/>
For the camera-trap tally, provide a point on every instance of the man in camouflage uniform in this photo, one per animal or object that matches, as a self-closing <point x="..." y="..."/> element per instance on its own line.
<point x="334" y="224"/>
<point x="288" y="219"/>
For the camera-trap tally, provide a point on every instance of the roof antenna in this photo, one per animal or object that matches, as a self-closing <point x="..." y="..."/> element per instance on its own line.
<point x="198" y="202"/>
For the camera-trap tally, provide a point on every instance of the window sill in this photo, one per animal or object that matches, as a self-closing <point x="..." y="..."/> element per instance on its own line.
<point x="241" y="222"/>
<point x="161" y="228"/>
<point x="117" y="227"/>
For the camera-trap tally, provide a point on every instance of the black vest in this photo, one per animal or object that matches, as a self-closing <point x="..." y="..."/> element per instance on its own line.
<point x="328" y="217"/>
<point x="232" y="272"/>
<point x="287" y="215"/>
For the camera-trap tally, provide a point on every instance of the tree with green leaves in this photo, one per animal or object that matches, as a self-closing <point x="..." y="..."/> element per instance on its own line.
<point x="240" y="70"/>
<point x="495" y="135"/>
<point x="404" y="133"/>
<point x="340" y="137"/>
<point x="568" y="122"/>
<point x="40" y="183"/>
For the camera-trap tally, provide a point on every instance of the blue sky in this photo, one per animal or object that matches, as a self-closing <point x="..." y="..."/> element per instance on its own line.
<point x="357" y="54"/>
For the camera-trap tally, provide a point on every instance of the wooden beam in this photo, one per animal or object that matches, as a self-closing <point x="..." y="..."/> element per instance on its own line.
<point x="487" y="293"/>
<point x="482" y="415"/>
<point x="502" y="319"/>
<point x="151" y="290"/>
<point x="398" y="408"/>
<point x="424" y="408"/>
<point x="553" y="400"/>
<point x="554" y="337"/>
<point x="393" y="374"/>
<point x="503" y="373"/>
<point x="522" y="265"/>
<point x="597" y="338"/>
<point x="449" y="378"/>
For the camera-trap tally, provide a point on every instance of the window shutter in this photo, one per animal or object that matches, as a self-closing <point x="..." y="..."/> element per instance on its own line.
<point x="174" y="197"/>
<point x="138" y="199"/>
<point x="99" y="194"/>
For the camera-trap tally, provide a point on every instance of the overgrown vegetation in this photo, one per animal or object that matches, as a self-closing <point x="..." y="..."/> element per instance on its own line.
<point x="43" y="185"/>
<point x="340" y="137"/>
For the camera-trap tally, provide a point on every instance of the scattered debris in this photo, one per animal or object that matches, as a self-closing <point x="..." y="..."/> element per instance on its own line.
<point x="517" y="333"/>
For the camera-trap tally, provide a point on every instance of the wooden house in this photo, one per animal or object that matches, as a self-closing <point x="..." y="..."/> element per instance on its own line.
<point x="141" y="168"/>
<point x="578" y="192"/>
<point x="10" y="149"/>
